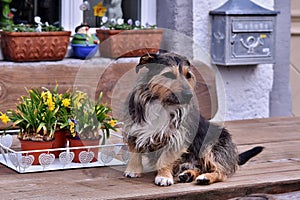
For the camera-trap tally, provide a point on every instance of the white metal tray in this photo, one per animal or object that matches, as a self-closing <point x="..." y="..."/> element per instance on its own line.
<point x="113" y="153"/>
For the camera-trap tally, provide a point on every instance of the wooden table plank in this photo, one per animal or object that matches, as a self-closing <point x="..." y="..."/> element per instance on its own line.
<point x="275" y="170"/>
<point x="273" y="130"/>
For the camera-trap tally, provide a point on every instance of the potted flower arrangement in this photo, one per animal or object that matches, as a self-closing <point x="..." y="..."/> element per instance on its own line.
<point x="34" y="43"/>
<point x="46" y="117"/>
<point x="63" y="102"/>
<point x="42" y="118"/>
<point x="36" y="121"/>
<point x="120" y="39"/>
<point x="90" y="124"/>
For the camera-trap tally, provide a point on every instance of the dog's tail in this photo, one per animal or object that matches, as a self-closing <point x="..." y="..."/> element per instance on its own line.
<point x="247" y="155"/>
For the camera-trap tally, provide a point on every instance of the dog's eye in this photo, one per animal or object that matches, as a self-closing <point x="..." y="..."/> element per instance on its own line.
<point x="169" y="75"/>
<point x="188" y="75"/>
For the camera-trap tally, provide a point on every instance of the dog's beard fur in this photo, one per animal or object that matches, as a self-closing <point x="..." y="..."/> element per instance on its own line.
<point x="160" y="129"/>
<point x="163" y="123"/>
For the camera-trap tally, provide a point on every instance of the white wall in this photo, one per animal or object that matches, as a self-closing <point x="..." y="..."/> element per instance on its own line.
<point x="243" y="91"/>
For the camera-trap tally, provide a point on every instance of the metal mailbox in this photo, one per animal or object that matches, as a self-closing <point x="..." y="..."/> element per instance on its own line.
<point x="243" y="33"/>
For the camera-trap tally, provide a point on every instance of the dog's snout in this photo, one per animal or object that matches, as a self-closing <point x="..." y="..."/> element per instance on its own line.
<point x="187" y="95"/>
<point x="183" y="97"/>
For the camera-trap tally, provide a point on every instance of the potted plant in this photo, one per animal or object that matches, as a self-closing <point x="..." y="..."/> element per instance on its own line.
<point x="35" y="117"/>
<point x="62" y="101"/>
<point x="90" y="125"/>
<point x="42" y="118"/>
<point x="34" y="43"/>
<point x="119" y="39"/>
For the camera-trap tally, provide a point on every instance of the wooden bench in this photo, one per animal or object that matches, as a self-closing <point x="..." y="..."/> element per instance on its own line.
<point x="275" y="170"/>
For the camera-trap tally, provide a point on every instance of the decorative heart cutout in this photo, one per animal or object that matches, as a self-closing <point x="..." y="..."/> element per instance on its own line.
<point x="66" y="157"/>
<point x="125" y="154"/>
<point x="86" y="156"/>
<point x="25" y="161"/>
<point x="107" y="155"/>
<point x="46" y="159"/>
<point x="13" y="159"/>
<point x="6" y="140"/>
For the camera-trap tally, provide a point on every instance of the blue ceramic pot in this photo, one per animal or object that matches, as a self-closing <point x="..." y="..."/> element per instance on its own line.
<point x="84" y="51"/>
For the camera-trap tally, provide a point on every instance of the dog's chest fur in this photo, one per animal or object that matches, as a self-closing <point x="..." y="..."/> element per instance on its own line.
<point x="162" y="129"/>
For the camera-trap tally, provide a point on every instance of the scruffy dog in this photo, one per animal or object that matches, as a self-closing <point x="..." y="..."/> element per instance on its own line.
<point x="164" y="124"/>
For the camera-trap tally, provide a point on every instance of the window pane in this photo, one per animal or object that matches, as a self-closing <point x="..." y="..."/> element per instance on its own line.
<point x="126" y="9"/>
<point x="25" y="10"/>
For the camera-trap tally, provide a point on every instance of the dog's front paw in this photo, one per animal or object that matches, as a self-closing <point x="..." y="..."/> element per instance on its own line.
<point x="163" y="181"/>
<point x="130" y="174"/>
<point x="185" y="177"/>
<point x="202" y="180"/>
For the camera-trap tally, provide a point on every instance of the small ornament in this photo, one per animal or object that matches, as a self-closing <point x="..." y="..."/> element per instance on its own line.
<point x="107" y="155"/>
<point x="46" y="159"/>
<point x="66" y="158"/>
<point x="25" y="161"/>
<point x="6" y="140"/>
<point x="14" y="159"/>
<point x="85" y="6"/>
<point x="86" y="156"/>
<point x="84" y="43"/>
<point x="125" y="154"/>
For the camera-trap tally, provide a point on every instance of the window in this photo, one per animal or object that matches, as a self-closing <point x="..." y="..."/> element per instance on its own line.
<point x="25" y="10"/>
<point x="142" y="10"/>
<point x="66" y="13"/>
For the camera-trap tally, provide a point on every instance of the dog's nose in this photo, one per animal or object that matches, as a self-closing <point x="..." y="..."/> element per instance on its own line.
<point x="186" y="96"/>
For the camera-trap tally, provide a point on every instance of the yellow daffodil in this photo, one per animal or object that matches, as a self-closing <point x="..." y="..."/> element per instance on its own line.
<point x="112" y="122"/>
<point x="72" y="128"/>
<point x="51" y="105"/>
<point x="66" y="102"/>
<point x="4" y="118"/>
<point x="44" y="96"/>
<point x="99" y="10"/>
<point x="49" y="96"/>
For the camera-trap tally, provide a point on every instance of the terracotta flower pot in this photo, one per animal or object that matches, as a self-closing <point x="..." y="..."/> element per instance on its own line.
<point x="34" y="46"/>
<point x="59" y="141"/>
<point x="81" y="143"/>
<point x="27" y="145"/>
<point x="129" y="43"/>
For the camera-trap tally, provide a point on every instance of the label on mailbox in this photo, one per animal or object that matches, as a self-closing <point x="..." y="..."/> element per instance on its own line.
<point x="252" y="26"/>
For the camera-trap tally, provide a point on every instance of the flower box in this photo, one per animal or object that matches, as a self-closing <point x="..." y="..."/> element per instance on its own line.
<point x="34" y="46"/>
<point x="129" y="43"/>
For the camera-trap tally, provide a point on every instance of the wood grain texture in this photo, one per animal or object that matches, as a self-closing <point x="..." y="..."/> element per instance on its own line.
<point x="276" y="170"/>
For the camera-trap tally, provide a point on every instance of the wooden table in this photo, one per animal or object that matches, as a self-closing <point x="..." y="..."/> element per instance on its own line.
<point x="276" y="170"/>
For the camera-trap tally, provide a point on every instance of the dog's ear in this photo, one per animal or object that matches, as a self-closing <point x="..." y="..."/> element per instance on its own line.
<point x="148" y="58"/>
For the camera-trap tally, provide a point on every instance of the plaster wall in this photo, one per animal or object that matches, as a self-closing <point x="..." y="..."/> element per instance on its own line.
<point x="243" y="91"/>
